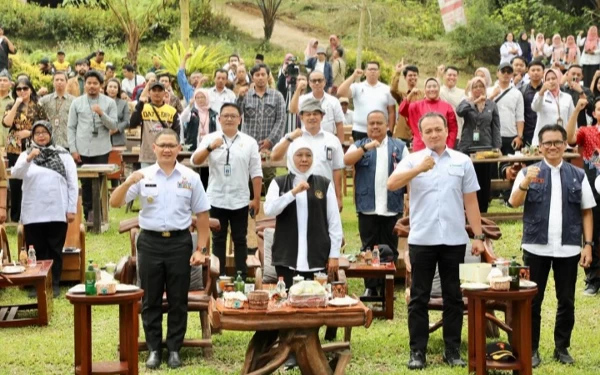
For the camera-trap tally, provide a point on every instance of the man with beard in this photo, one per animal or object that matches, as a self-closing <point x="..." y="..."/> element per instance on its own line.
<point x="76" y="84"/>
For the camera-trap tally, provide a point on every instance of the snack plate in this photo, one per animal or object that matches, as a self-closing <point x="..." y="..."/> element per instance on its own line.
<point x="340" y="302"/>
<point x="77" y="289"/>
<point x="527" y="284"/>
<point x="12" y="270"/>
<point x="474" y="286"/>
<point x="126" y="288"/>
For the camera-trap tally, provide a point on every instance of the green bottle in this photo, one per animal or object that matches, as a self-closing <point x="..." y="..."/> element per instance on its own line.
<point x="239" y="282"/>
<point x="90" y="280"/>
<point x="513" y="272"/>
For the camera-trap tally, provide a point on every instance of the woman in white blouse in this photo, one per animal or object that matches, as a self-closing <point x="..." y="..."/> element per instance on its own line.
<point x="308" y="231"/>
<point x="509" y="49"/>
<point x="590" y="58"/>
<point x="50" y="192"/>
<point x="551" y="104"/>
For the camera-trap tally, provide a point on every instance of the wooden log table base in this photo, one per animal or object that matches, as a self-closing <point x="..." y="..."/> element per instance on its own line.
<point x="281" y="331"/>
<point x="385" y="271"/>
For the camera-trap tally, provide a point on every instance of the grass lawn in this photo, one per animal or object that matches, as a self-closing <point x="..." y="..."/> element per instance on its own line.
<point x="381" y="349"/>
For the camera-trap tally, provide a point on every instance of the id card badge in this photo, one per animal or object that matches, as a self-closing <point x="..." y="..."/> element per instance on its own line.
<point x="559" y="121"/>
<point x="329" y="152"/>
<point x="55" y="123"/>
<point x="227" y="170"/>
<point x="476" y="136"/>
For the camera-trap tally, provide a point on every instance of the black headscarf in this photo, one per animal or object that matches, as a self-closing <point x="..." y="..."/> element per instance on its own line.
<point x="525" y="46"/>
<point x="49" y="154"/>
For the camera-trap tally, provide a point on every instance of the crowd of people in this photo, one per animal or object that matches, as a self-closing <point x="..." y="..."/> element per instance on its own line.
<point x="411" y="139"/>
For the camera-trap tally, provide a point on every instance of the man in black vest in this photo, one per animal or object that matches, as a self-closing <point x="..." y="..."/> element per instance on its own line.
<point x="558" y="204"/>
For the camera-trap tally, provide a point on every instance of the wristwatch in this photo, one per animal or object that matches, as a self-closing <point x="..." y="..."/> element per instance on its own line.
<point x="209" y="149"/>
<point x="203" y="251"/>
<point x="479" y="237"/>
<point x="289" y="139"/>
<point x="591" y="243"/>
<point x="364" y="148"/>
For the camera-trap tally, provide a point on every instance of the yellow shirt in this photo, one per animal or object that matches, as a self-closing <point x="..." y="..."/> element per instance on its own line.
<point x="61" y="67"/>
<point x="101" y="67"/>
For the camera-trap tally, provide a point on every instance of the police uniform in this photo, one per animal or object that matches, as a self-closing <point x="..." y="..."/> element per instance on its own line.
<point x="165" y="246"/>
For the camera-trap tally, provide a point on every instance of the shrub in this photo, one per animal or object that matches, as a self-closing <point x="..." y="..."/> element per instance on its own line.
<point x="20" y="65"/>
<point x="386" y="70"/>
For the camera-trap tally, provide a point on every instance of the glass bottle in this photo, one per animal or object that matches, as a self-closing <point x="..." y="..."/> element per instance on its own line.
<point x="280" y="288"/>
<point x="513" y="272"/>
<point x="23" y="257"/>
<point x="376" y="260"/>
<point x="90" y="280"/>
<point x="239" y="282"/>
<point x="31" y="258"/>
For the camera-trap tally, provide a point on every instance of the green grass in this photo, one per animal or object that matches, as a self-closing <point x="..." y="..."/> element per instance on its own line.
<point x="381" y="349"/>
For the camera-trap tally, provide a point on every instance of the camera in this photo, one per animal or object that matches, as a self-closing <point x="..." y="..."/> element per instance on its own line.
<point x="293" y="70"/>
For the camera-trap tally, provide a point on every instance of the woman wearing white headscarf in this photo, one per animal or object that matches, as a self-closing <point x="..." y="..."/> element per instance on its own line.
<point x="50" y="191"/>
<point x="308" y="230"/>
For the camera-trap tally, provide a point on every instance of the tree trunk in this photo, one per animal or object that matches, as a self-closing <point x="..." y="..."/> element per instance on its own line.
<point x="269" y="26"/>
<point x="133" y="46"/>
<point x="184" y="5"/>
<point x="361" y="28"/>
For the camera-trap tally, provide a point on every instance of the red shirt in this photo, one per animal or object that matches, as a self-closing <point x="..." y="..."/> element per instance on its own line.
<point x="588" y="140"/>
<point x="414" y="112"/>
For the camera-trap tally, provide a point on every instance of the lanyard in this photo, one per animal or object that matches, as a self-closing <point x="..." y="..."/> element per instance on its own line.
<point x="229" y="146"/>
<point x="557" y="101"/>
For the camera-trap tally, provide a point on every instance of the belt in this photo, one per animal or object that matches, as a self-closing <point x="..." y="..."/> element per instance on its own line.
<point x="166" y="234"/>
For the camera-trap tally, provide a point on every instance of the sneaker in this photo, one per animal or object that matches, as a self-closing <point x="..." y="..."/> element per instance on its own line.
<point x="417" y="360"/>
<point x="535" y="359"/>
<point x="452" y="357"/>
<point x="591" y="289"/>
<point x="563" y="356"/>
<point x="55" y="291"/>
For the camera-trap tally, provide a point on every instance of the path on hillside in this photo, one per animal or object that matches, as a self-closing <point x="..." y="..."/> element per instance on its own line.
<point x="284" y="35"/>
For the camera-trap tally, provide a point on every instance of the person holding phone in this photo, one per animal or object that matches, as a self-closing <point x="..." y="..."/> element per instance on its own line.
<point x="233" y="158"/>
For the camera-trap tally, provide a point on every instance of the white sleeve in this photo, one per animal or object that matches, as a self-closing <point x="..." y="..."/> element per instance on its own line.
<point x="334" y="222"/>
<point x="338" y="113"/>
<point x="200" y="201"/>
<point x="404" y="152"/>
<point x="538" y="103"/>
<point x="72" y="184"/>
<point x="185" y="115"/>
<point x="338" y="156"/>
<point x="469" y="183"/>
<point x="520" y="112"/>
<point x="520" y="177"/>
<point x="133" y="192"/>
<point x="255" y="165"/>
<point x="504" y="50"/>
<point x="390" y="99"/>
<point x="587" y="196"/>
<point x="404" y="165"/>
<point x="580" y="41"/>
<point x="275" y="203"/>
<point x="19" y="170"/>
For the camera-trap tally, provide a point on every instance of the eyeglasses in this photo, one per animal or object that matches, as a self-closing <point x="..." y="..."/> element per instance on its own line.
<point x="37" y="134"/>
<point x="556" y="144"/>
<point x="22" y="88"/>
<point x="229" y="117"/>
<point x="317" y="80"/>
<point x="170" y="146"/>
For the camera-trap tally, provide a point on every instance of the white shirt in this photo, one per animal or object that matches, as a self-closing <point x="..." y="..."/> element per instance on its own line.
<point x="231" y="192"/>
<point x="168" y="202"/>
<point x="554" y="248"/>
<point x="276" y="203"/>
<point x="331" y="106"/>
<point x="320" y="67"/>
<point x="505" y="55"/>
<point x="511" y="109"/>
<point x="454" y="96"/>
<point x="128" y="85"/>
<point x="217" y="99"/>
<point x="348" y="117"/>
<point x="437" y="214"/>
<point x="369" y="98"/>
<point x="588" y="58"/>
<point x="328" y="154"/>
<point x="381" y="177"/>
<point x="47" y="196"/>
<point x="549" y="110"/>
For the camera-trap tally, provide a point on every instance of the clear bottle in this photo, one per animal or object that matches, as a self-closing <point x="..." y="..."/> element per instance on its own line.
<point x="90" y="280"/>
<point x="31" y="258"/>
<point x="239" y="282"/>
<point x="280" y="288"/>
<point x="376" y="260"/>
<point x="23" y="257"/>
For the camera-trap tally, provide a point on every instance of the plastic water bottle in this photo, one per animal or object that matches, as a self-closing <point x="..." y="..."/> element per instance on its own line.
<point x="31" y="258"/>
<point x="376" y="260"/>
<point x="280" y="288"/>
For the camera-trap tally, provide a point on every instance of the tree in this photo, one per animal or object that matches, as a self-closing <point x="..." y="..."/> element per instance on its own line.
<point x="269" y="10"/>
<point x="135" y="18"/>
<point x="184" y="7"/>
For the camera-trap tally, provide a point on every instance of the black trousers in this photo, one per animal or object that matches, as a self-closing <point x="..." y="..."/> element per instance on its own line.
<point x="592" y="274"/>
<point x="506" y="149"/>
<point x="423" y="260"/>
<point x="357" y="136"/>
<point x="16" y="193"/>
<point x="376" y="230"/>
<point x="86" y="183"/>
<point x="238" y="219"/>
<point x="288" y="275"/>
<point x="484" y="178"/>
<point x="565" y="278"/>
<point x="48" y="239"/>
<point x="204" y="174"/>
<point x="164" y="263"/>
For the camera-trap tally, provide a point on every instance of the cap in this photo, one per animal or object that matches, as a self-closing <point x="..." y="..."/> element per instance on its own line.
<point x="100" y="52"/>
<point x="500" y="351"/>
<point x="321" y="50"/>
<point x="343" y="99"/>
<point x="505" y="65"/>
<point x="45" y="60"/>
<point x="157" y="84"/>
<point x="60" y="52"/>
<point x="311" y="105"/>
<point x="260" y="56"/>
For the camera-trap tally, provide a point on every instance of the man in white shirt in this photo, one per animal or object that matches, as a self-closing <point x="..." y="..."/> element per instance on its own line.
<point x="437" y="233"/>
<point x="130" y="80"/>
<point x="232" y="158"/>
<point x="333" y="121"/>
<point x="374" y="159"/>
<point x="558" y="202"/>
<point x="368" y="96"/>
<point x="510" y="108"/>
<point x="348" y="113"/>
<point x="219" y="94"/>
<point x="328" y="158"/>
<point x="452" y="94"/>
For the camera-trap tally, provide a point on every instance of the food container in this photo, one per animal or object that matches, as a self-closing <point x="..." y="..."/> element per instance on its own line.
<point x="229" y="287"/>
<point x="368" y="257"/>
<point x="224" y="280"/>
<point x="298" y="278"/>
<point x="308" y="293"/>
<point x="321" y="278"/>
<point x="338" y="289"/>
<point x="106" y="287"/>
<point x="500" y="283"/>
<point x="258" y="300"/>
<point x="234" y="300"/>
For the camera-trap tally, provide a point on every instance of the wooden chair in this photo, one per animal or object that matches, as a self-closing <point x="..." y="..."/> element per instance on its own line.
<point x="6" y="258"/>
<point x="114" y="157"/>
<point x="73" y="262"/>
<point x="492" y="232"/>
<point x="198" y="300"/>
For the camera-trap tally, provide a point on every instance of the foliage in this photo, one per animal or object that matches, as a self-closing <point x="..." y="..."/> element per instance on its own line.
<point x="523" y="15"/>
<point x="386" y="70"/>
<point x="420" y="19"/>
<point x="203" y="59"/>
<point x="20" y="65"/>
<point x="203" y="22"/>
<point x="269" y="9"/>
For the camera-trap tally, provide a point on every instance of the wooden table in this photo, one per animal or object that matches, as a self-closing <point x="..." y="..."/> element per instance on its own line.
<point x="98" y="174"/>
<point x="40" y="277"/>
<point x="387" y="271"/>
<point x="520" y="336"/>
<point x="284" y="330"/>
<point x="522" y="158"/>
<point x="128" y="331"/>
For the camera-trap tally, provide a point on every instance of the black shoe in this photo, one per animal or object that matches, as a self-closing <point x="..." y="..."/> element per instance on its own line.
<point x="370" y="292"/>
<point x="591" y="289"/>
<point x="55" y="291"/>
<point x="174" y="360"/>
<point x="153" y="361"/>
<point x="291" y="363"/>
<point x="32" y="293"/>
<point x="535" y="359"/>
<point x="563" y="356"/>
<point x="452" y="357"/>
<point x="417" y="360"/>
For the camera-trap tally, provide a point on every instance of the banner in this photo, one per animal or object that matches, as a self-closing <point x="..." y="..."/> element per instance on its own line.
<point x="453" y="14"/>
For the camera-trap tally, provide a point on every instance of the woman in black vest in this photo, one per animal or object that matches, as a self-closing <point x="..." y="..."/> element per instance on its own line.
<point x="308" y="231"/>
